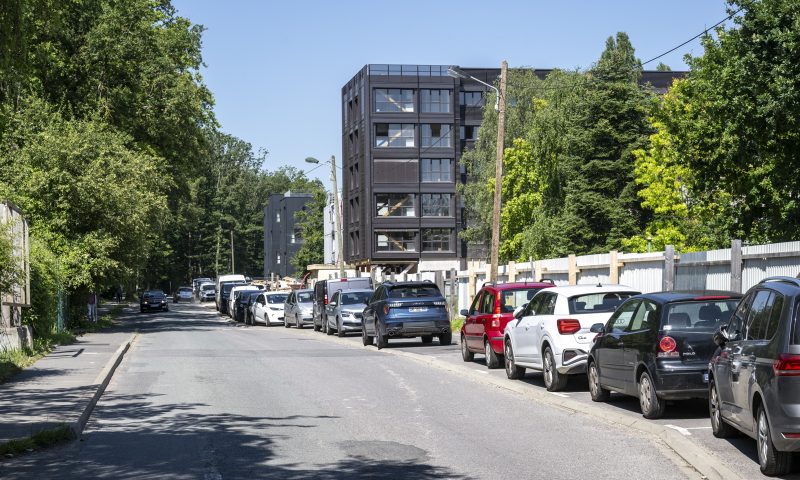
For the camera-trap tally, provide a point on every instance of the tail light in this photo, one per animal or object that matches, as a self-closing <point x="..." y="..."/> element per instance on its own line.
<point x="568" y="326"/>
<point x="386" y="309"/>
<point x="787" y="365"/>
<point x="667" y="347"/>
<point x="495" y="323"/>
<point x="325" y="299"/>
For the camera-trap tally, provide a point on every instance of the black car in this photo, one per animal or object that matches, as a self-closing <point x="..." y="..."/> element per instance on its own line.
<point x="153" y="300"/>
<point x="244" y="308"/>
<point x="754" y="378"/>
<point x="657" y="346"/>
<point x="225" y="293"/>
<point x="405" y="310"/>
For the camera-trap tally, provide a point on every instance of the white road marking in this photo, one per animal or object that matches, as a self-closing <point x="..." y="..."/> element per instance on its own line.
<point x="90" y="353"/>
<point x="698" y="428"/>
<point x="683" y="431"/>
<point x="559" y="394"/>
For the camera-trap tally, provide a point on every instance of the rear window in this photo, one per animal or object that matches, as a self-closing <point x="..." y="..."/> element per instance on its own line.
<point x="414" y="291"/>
<point x="704" y="315"/>
<point x="305" y="297"/>
<point x="604" y="302"/>
<point x="511" y="299"/>
<point x="796" y="340"/>
<point x="355" y="298"/>
<point x="276" y="298"/>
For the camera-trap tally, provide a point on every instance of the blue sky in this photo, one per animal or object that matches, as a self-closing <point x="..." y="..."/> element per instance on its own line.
<point x="276" y="68"/>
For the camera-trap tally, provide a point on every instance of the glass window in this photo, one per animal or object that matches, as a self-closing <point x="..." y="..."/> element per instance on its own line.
<point x="436" y="205"/>
<point x="699" y="315"/>
<point x="402" y="241"/>
<point x="759" y="315"/>
<point x="436" y="169"/>
<point x="469" y="132"/>
<point x="394" y="100"/>
<point x="305" y="297"/>
<point x="436" y="240"/>
<point x="277" y="298"/>
<point x="511" y="299"/>
<point x="277" y="217"/>
<point x="646" y="317"/>
<point x="278" y="259"/>
<point x="597" y="302"/>
<point x="435" y="101"/>
<point x="435" y="135"/>
<point x="475" y="303"/>
<point x="394" y="205"/>
<point x="355" y="298"/>
<point x="621" y="318"/>
<point x="547" y="306"/>
<point x="411" y="291"/>
<point x="487" y="304"/>
<point x="394" y="135"/>
<point x="470" y="99"/>
<point x="775" y="316"/>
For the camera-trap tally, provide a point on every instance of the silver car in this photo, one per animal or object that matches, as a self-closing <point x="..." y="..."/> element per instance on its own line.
<point x="298" y="308"/>
<point x="344" y="311"/>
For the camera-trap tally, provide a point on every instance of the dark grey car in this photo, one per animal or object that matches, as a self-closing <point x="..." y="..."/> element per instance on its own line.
<point x="345" y="311"/>
<point x="754" y="377"/>
<point x="297" y="310"/>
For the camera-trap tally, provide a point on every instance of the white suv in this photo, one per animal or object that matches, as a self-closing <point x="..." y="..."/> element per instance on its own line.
<point x="552" y="333"/>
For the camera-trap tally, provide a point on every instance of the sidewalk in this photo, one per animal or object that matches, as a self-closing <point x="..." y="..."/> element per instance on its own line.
<point x="57" y="389"/>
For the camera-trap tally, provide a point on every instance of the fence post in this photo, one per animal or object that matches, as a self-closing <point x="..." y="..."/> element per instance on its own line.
<point x="573" y="270"/>
<point x="613" y="267"/>
<point x="736" y="266"/>
<point x="438" y="279"/>
<point x="669" y="268"/>
<point x="471" y="268"/>
<point x="536" y="271"/>
<point x="511" y="271"/>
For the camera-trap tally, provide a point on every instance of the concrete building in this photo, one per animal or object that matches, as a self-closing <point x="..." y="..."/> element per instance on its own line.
<point x="281" y="236"/>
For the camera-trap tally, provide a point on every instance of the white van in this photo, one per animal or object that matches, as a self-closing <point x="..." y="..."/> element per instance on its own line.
<point x="226" y="279"/>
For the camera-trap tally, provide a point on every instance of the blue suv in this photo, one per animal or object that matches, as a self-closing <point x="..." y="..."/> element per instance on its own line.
<point x="406" y="310"/>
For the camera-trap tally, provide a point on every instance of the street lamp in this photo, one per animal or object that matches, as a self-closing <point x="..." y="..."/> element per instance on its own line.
<point x="500" y="108"/>
<point x="340" y="252"/>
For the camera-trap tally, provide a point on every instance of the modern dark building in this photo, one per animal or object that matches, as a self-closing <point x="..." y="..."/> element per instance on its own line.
<point x="404" y="128"/>
<point x="282" y="239"/>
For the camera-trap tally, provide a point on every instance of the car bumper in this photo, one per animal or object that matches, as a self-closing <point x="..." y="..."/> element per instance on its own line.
<point x="151" y="306"/>
<point x="682" y="385"/>
<point x="418" y="328"/>
<point x="351" y="325"/>
<point x="571" y="361"/>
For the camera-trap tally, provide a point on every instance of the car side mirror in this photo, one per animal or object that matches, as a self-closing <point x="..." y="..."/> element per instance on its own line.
<point x="721" y="336"/>
<point x="597" y="328"/>
<point x="518" y="311"/>
<point x="464" y="312"/>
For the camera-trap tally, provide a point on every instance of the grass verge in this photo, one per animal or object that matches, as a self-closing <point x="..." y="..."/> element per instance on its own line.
<point x="13" y="361"/>
<point x="37" y="441"/>
<point x="456" y="324"/>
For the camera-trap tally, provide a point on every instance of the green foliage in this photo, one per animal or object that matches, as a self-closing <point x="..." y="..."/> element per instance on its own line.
<point x="11" y="272"/>
<point x="311" y="228"/>
<point x="37" y="441"/>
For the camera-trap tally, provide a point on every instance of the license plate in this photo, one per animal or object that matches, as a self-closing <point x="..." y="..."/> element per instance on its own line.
<point x="705" y="377"/>
<point x="418" y="309"/>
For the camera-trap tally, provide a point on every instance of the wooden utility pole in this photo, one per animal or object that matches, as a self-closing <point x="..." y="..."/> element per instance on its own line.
<point x="498" y="173"/>
<point x="233" y="264"/>
<point x="339" y="232"/>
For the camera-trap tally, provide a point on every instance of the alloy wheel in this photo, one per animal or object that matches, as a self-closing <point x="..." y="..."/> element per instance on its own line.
<point x="548" y="370"/>
<point x="594" y="381"/>
<point x="645" y="390"/>
<point x="763" y="437"/>
<point x="714" y="407"/>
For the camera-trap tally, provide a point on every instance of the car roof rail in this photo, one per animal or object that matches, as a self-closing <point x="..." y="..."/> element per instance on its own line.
<point x="789" y="280"/>
<point x="548" y="280"/>
<point x="491" y="284"/>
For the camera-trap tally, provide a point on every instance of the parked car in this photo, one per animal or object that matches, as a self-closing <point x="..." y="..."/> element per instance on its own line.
<point x="754" y="377"/>
<point x="182" y="294"/>
<point x="299" y="308"/>
<point x="197" y="283"/>
<point x="224" y="293"/>
<point x="208" y="291"/>
<point x="269" y="308"/>
<point x="324" y="290"/>
<point x="244" y="303"/>
<point x="406" y="310"/>
<point x="220" y="301"/>
<point x="345" y="311"/>
<point x="485" y="321"/>
<point x="552" y="331"/>
<point x="233" y="301"/>
<point x="153" y="300"/>
<point x="657" y="346"/>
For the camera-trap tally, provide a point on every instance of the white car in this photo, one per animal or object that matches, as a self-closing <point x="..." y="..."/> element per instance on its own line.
<point x="268" y="308"/>
<point x="552" y="333"/>
<point x="234" y="295"/>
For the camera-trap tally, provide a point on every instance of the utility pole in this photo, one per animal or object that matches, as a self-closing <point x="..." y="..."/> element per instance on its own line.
<point x="216" y="259"/>
<point x="233" y="264"/>
<point x="340" y="251"/>
<point x="498" y="174"/>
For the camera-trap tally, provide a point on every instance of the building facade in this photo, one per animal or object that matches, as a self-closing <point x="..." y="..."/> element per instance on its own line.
<point x="404" y="128"/>
<point x="331" y="247"/>
<point x="282" y="238"/>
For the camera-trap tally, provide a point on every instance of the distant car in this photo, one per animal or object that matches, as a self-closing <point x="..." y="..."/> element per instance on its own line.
<point x="324" y="290"/>
<point x="224" y="292"/>
<point x="197" y="283"/>
<point x="234" y="306"/>
<point x="221" y="280"/>
<point x="345" y="311"/>
<point x="153" y="300"/>
<point x="244" y="302"/>
<point x="657" y="346"/>
<point x="182" y="294"/>
<point x="552" y="333"/>
<point x="406" y="310"/>
<point x="754" y="378"/>
<point x="208" y="291"/>
<point x="269" y="308"/>
<point x="491" y="310"/>
<point x="298" y="309"/>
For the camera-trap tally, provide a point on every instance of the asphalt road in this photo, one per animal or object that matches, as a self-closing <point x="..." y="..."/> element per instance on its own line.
<point x="199" y="397"/>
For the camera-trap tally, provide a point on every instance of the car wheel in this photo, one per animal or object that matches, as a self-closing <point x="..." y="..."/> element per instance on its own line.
<point x="651" y="405"/>
<point x="446" y="338"/>
<point x="719" y="427"/>
<point x="317" y="328"/>
<point x="141" y="310"/>
<point x="466" y="355"/>
<point x="381" y="340"/>
<point x="598" y="393"/>
<point x="492" y="360"/>
<point x="553" y="380"/>
<point x="426" y="339"/>
<point x="266" y="320"/>
<point x="513" y="372"/>
<point x="285" y="321"/>
<point x="339" y="332"/>
<point x="328" y="329"/>
<point x="771" y="461"/>
<point x="365" y="339"/>
<point x="297" y="322"/>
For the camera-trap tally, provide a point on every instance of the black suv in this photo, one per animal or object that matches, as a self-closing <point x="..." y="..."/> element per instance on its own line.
<point x="153" y="300"/>
<point x="754" y="383"/>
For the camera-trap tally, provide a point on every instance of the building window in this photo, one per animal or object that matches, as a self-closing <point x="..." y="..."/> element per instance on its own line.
<point x="402" y="241"/>
<point x="436" y="169"/>
<point x="470" y="99"/>
<point x="435" y="101"/>
<point x="394" y="205"/>
<point x="436" y="135"/>
<point x="292" y="239"/>
<point x="277" y="217"/>
<point x="395" y="171"/>
<point x="278" y="260"/>
<point x="436" y="205"/>
<point x="436" y="240"/>
<point x="469" y="132"/>
<point x="394" y="100"/>
<point x="394" y="135"/>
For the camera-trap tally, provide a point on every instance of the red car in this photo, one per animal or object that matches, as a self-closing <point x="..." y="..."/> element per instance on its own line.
<point x="492" y="308"/>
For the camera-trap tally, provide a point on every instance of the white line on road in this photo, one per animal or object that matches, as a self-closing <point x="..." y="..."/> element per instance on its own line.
<point x="683" y="431"/>
<point x="559" y="394"/>
<point x="698" y="428"/>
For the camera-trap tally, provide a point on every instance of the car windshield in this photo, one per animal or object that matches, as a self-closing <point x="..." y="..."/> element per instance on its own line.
<point x="354" y="298"/>
<point x="208" y="287"/>
<point x="248" y="297"/>
<point x="277" y="298"/>
<point x="305" y="297"/>
<point x="414" y="291"/>
<point x="226" y="288"/>
<point x="154" y="294"/>
<point x="694" y="315"/>
<point x="185" y="290"/>
<point x="602" y="302"/>
<point x="511" y="299"/>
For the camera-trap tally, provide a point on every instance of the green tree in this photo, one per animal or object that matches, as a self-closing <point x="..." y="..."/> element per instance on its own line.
<point x="310" y="223"/>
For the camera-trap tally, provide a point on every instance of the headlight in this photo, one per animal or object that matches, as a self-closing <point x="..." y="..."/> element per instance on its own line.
<point x="276" y="309"/>
<point x="347" y="314"/>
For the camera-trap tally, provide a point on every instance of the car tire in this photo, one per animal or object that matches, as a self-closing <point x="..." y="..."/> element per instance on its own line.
<point x="553" y="381"/>
<point x="771" y="461"/>
<point x="446" y="338"/>
<point x="339" y="332"/>
<point x="466" y="355"/>
<point x="598" y="393"/>
<point x="297" y="323"/>
<point x="381" y="340"/>
<point x="652" y="406"/>
<point x="492" y="360"/>
<point x="166" y="309"/>
<point x="285" y="321"/>
<point x="513" y="372"/>
<point x="365" y="339"/>
<point x="719" y="427"/>
<point x="266" y="320"/>
<point x="141" y="310"/>
<point x="328" y="329"/>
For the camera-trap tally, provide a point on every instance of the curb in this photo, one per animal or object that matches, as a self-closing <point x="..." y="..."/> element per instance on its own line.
<point x="103" y="379"/>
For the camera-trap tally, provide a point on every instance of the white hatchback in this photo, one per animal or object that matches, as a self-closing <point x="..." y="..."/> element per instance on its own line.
<point x="552" y="333"/>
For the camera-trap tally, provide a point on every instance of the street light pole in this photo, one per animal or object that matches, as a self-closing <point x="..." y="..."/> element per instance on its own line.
<point x="340" y="251"/>
<point x="498" y="173"/>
